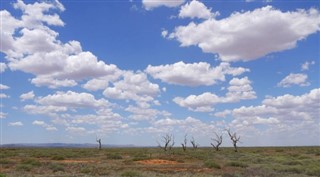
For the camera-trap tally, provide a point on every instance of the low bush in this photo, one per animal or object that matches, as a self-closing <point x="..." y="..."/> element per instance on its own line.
<point x="237" y="164"/>
<point x="57" y="158"/>
<point x="114" y="156"/>
<point x="130" y="174"/>
<point x="56" y="167"/>
<point x="211" y="164"/>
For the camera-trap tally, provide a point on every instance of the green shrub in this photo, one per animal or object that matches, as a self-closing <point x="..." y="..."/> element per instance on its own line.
<point x="211" y="164"/>
<point x="57" y="158"/>
<point x="237" y="164"/>
<point x="24" y="167"/>
<point x="5" y="161"/>
<point x="56" y="167"/>
<point x="130" y="174"/>
<point x="292" y="163"/>
<point x="32" y="162"/>
<point x="114" y="156"/>
<point x="2" y="175"/>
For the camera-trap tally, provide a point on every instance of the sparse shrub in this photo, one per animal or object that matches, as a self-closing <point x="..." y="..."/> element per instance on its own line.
<point x="140" y="156"/>
<point x="130" y="174"/>
<point x="292" y="163"/>
<point x="32" y="162"/>
<point x="313" y="170"/>
<point x="211" y="164"/>
<point x="57" y="158"/>
<point x="114" y="156"/>
<point x="86" y="170"/>
<point x="56" y="167"/>
<point x="5" y="161"/>
<point x="237" y="164"/>
<point x="24" y="167"/>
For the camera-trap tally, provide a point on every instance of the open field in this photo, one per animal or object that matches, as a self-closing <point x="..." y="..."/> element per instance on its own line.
<point x="268" y="161"/>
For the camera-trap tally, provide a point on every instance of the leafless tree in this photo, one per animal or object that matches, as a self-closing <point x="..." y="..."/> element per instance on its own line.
<point x="234" y="139"/>
<point x="99" y="141"/>
<point x="168" y="142"/>
<point x="184" y="144"/>
<point x="194" y="144"/>
<point x="217" y="140"/>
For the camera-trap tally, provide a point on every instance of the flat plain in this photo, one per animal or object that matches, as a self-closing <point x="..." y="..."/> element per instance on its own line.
<point x="249" y="161"/>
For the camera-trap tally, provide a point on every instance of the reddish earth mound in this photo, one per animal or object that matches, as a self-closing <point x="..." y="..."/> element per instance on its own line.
<point x="157" y="161"/>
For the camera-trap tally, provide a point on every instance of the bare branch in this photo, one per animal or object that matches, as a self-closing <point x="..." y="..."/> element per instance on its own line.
<point x="194" y="144"/>
<point x="234" y="139"/>
<point x="218" y="141"/>
<point x="184" y="144"/>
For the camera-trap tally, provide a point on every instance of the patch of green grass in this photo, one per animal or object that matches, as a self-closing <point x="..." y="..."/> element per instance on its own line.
<point x="140" y="156"/>
<point x="237" y="164"/>
<point x="212" y="164"/>
<point x="32" y="162"/>
<point x="114" y="156"/>
<point x="2" y="175"/>
<point x="5" y="161"/>
<point x="57" y="158"/>
<point x="313" y="170"/>
<point x="294" y="162"/>
<point x="130" y="174"/>
<point x="55" y="167"/>
<point x="24" y="167"/>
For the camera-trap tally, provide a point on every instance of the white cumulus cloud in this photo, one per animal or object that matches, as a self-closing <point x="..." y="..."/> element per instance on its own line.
<point x="27" y="96"/>
<point x="193" y="74"/>
<point x="294" y="79"/>
<point x="195" y="9"/>
<point x="249" y="35"/>
<point x="151" y="4"/>
<point x="15" y="124"/>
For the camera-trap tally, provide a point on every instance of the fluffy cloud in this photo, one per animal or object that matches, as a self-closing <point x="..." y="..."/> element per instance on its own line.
<point x="4" y="87"/>
<point x="27" y="96"/>
<point x="133" y="86"/>
<point x="144" y="113"/>
<point x="2" y="95"/>
<point x="76" y="130"/>
<point x="249" y="35"/>
<point x="189" y="125"/>
<point x="194" y="74"/>
<point x="16" y="124"/>
<point x="45" y="110"/>
<point x="305" y="66"/>
<point x="3" y="115"/>
<point x="44" y="125"/>
<point x="195" y="9"/>
<point x="239" y="89"/>
<point x="32" y="46"/>
<point x="3" y="67"/>
<point x="287" y="113"/>
<point x="72" y="99"/>
<point x="151" y="4"/>
<point x="294" y="79"/>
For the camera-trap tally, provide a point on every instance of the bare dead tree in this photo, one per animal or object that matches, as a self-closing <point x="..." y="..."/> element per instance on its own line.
<point x="99" y="141"/>
<point x="172" y="143"/>
<point x="168" y="142"/>
<point x="217" y="140"/>
<point x="234" y="139"/>
<point x="194" y="144"/>
<point x="184" y="144"/>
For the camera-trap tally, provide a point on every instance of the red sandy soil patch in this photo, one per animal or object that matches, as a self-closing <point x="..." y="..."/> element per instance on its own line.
<point x="156" y="162"/>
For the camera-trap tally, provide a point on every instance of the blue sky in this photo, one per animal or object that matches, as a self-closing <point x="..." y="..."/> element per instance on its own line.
<point x="130" y="72"/>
